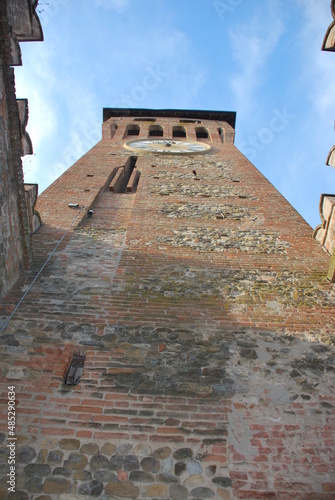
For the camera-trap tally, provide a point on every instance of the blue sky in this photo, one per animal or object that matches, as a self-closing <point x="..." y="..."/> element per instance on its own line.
<point x="260" y="58"/>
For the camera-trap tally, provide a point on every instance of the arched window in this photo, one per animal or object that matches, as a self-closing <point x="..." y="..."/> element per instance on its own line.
<point x="156" y="131"/>
<point x="201" y="133"/>
<point x="133" y="130"/>
<point x="178" y="131"/>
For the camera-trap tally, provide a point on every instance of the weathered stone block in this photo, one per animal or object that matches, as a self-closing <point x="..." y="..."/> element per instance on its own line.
<point x="76" y="461"/>
<point x="56" y="486"/>
<point x="69" y="444"/>
<point x="93" y="489"/>
<point x="124" y="489"/>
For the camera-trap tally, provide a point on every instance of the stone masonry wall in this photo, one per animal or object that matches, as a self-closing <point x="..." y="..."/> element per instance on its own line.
<point x="13" y="246"/>
<point x="18" y="20"/>
<point x="202" y="306"/>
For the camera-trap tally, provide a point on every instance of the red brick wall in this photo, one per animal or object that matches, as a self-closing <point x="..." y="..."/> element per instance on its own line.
<point x="202" y="306"/>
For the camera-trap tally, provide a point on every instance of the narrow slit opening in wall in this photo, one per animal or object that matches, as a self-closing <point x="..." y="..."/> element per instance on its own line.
<point x="113" y="129"/>
<point x="221" y="134"/>
<point x="76" y="368"/>
<point x="126" y="177"/>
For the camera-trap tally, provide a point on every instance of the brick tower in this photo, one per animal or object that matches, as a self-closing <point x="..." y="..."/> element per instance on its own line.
<point x="174" y="338"/>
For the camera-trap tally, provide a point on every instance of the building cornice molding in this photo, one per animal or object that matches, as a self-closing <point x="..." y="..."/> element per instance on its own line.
<point x="221" y="116"/>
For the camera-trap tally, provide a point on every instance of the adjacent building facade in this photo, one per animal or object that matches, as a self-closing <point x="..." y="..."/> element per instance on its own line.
<point x="328" y="43"/>
<point x="176" y="340"/>
<point x="18" y="23"/>
<point x="325" y="232"/>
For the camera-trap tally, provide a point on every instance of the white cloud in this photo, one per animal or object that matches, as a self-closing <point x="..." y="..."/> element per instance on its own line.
<point x="37" y="82"/>
<point x="252" y="44"/>
<point x="85" y="128"/>
<point x="319" y="69"/>
<point x="156" y="70"/>
<point x="316" y="14"/>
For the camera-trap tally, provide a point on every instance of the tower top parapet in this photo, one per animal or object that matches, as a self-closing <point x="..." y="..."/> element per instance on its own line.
<point x="226" y="116"/>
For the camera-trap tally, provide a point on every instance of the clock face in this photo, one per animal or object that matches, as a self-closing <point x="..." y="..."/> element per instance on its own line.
<point x="167" y="146"/>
